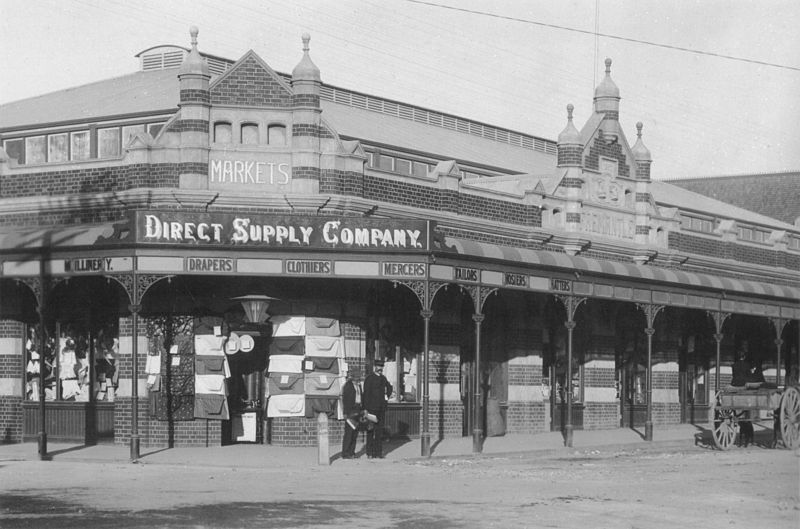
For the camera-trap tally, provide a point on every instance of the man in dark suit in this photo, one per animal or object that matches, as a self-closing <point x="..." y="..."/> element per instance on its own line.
<point x="376" y="390"/>
<point x="351" y="405"/>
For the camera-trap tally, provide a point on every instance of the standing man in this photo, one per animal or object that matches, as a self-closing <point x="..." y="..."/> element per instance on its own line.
<point x="351" y="405"/>
<point x="376" y="390"/>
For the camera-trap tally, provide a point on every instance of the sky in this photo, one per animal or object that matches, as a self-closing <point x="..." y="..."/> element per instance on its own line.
<point x="692" y="71"/>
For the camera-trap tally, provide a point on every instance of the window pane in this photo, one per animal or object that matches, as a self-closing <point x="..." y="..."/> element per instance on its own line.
<point x="108" y="143"/>
<point x="402" y="166"/>
<point x="277" y="135"/>
<point x="16" y="149"/>
<point x="57" y="148"/>
<point x="249" y="134"/>
<point x="80" y="145"/>
<point x="223" y="133"/>
<point x="35" y="150"/>
<point x="386" y="162"/>
<point x="420" y="169"/>
<point x="129" y="132"/>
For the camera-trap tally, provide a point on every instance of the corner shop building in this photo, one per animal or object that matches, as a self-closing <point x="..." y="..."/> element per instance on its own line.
<point x="577" y="291"/>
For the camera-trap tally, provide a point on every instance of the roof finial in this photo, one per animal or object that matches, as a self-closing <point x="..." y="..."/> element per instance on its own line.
<point x="570" y="108"/>
<point x="306" y="39"/>
<point x="193" y="31"/>
<point x="608" y="66"/>
<point x="639" y="129"/>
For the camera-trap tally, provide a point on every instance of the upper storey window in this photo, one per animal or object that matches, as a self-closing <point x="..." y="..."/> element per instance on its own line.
<point x="108" y="142"/>
<point x="693" y="223"/>
<point x="276" y="135"/>
<point x="75" y="144"/>
<point x="223" y="133"/>
<point x="249" y="134"/>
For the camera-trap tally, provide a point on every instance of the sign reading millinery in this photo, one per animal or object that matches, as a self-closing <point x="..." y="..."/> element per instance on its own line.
<point x="281" y="232"/>
<point x="515" y="280"/>
<point x="403" y="269"/>
<point x="90" y="265"/>
<point x="560" y="285"/>
<point x="307" y="266"/>
<point x="466" y="274"/>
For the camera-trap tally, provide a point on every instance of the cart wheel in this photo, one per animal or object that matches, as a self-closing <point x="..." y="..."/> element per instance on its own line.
<point x="724" y="428"/>
<point x="790" y="417"/>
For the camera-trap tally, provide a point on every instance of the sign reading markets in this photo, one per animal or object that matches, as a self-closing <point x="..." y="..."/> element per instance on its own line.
<point x="281" y="231"/>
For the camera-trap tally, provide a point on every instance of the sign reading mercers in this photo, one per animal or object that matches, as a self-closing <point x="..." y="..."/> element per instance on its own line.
<point x="282" y="232"/>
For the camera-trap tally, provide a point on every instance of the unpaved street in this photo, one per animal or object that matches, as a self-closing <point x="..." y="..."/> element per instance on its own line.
<point x="613" y="488"/>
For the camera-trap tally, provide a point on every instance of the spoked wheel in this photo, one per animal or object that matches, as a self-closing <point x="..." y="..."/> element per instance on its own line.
<point x="790" y="417"/>
<point x="724" y="428"/>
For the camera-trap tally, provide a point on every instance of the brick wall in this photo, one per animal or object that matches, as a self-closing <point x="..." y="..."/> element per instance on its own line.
<point x="10" y="419"/>
<point x="445" y="419"/>
<point x="609" y="150"/>
<point x="302" y="431"/>
<point x="526" y="417"/>
<point x="92" y="180"/>
<point x="600" y="415"/>
<point x="249" y="84"/>
<point x="719" y="249"/>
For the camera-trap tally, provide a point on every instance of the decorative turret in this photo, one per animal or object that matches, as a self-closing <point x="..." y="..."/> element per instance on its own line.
<point x="642" y="155"/>
<point x="193" y="118"/>
<point x="606" y="102"/>
<point x="570" y="145"/>
<point x="308" y="131"/>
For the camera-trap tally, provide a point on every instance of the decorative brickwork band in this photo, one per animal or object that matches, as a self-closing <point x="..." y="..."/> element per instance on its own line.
<point x="574" y="183"/>
<point x="305" y="129"/>
<point x="573" y="217"/>
<point x="195" y="96"/>
<point x="642" y="230"/>
<point x="643" y="171"/>
<point x="642" y="197"/>
<point x="308" y="173"/>
<point x="190" y="125"/>
<point x="305" y="100"/>
<point x="193" y="168"/>
<point x="569" y="155"/>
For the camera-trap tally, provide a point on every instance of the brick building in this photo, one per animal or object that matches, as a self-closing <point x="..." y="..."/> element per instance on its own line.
<point x="239" y="238"/>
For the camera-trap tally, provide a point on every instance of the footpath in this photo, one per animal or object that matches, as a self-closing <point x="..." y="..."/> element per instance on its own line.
<point x="269" y="456"/>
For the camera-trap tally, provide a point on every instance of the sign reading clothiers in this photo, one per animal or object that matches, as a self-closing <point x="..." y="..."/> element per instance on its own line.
<point x="287" y="231"/>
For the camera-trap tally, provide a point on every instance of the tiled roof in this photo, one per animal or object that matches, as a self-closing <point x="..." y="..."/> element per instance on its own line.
<point x="775" y="195"/>
<point x="140" y="92"/>
<point x="669" y="194"/>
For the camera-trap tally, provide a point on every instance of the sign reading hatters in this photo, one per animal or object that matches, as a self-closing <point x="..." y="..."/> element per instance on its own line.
<point x="281" y="231"/>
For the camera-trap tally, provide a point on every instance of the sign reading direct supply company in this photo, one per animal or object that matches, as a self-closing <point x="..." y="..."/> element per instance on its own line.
<point x="281" y="231"/>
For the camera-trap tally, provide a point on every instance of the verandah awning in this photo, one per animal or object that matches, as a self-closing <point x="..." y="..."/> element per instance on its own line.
<point x="626" y="270"/>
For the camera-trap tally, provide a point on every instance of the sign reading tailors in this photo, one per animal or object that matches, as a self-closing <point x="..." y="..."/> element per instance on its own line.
<point x="282" y="231"/>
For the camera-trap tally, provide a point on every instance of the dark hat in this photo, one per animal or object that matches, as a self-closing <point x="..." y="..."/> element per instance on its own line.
<point x="378" y="363"/>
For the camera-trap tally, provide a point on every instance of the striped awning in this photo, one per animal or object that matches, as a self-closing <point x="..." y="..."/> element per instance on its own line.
<point x="537" y="258"/>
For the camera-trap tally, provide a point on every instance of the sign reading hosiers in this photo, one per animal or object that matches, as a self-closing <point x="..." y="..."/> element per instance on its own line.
<point x="287" y="232"/>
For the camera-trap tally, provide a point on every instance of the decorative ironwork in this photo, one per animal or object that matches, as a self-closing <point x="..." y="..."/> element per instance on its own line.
<point x="33" y="283"/>
<point x="433" y="288"/>
<point x="650" y="310"/>
<point x="417" y="287"/>
<point x="719" y="318"/>
<point x="147" y="280"/>
<point x="485" y="292"/>
<point x="571" y="303"/>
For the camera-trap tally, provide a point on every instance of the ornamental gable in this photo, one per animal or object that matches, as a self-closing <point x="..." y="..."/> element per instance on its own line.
<point x="251" y="83"/>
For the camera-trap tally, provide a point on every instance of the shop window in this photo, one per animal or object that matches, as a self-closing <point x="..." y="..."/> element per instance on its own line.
<point x="420" y="169"/>
<point x="276" y="135"/>
<point x="35" y="150"/>
<point x="223" y="133"/>
<point x="15" y="149"/>
<point x="79" y="145"/>
<point x="400" y="370"/>
<point x="108" y="142"/>
<point x="129" y="132"/>
<point x="249" y="134"/>
<point x="80" y="366"/>
<point x="57" y="150"/>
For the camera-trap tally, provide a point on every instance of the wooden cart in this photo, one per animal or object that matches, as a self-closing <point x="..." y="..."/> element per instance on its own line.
<point x="734" y="405"/>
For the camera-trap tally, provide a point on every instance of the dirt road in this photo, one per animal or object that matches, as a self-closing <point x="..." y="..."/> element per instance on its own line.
<point x="613" y="488"/>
